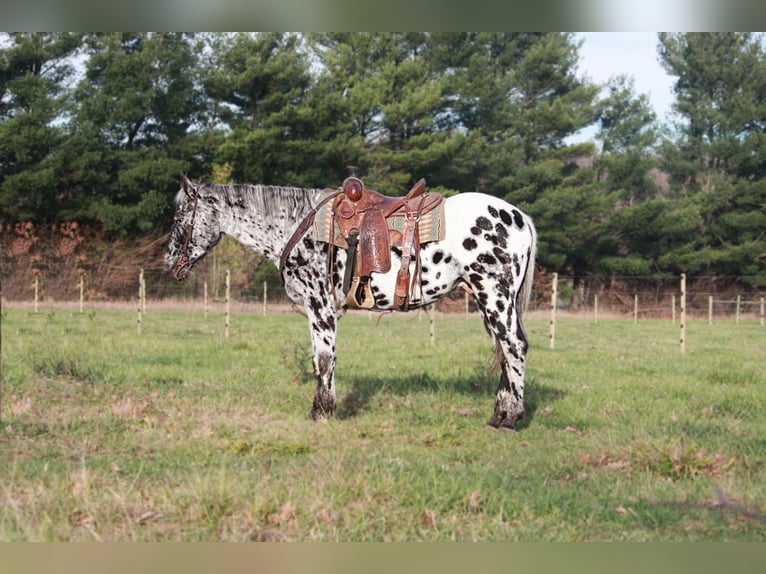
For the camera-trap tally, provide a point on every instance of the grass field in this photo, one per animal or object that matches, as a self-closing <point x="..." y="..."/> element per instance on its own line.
<point x="180" y="434"/>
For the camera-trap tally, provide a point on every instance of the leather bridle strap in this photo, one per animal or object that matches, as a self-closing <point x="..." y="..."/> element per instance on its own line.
<point x="304" y="226"/>
<point x="183" y="259"/>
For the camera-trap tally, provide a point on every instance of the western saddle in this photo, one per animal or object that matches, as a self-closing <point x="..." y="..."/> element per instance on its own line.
<point x="366" y="222"/>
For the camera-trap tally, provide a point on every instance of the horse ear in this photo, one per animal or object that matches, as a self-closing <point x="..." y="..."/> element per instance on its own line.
<point x="186" y="185"/>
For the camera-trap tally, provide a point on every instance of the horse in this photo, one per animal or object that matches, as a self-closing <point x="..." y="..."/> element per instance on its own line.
<point x="489" y="247"/>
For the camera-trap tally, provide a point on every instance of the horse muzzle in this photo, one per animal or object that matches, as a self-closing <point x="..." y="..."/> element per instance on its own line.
<point x="182" y="269"/>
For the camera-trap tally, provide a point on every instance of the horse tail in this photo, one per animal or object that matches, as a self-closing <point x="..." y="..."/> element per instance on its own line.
<point x="529" y="274"/>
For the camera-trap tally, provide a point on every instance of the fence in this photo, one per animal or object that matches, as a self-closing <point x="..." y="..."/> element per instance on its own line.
<point x="620" y="297"/>
<point x="751" y="306"/>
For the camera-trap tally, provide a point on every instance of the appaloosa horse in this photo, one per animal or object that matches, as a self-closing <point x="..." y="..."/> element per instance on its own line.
<point x="489" y="245"/>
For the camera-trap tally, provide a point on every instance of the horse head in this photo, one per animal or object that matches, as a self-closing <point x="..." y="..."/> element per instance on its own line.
<point x="195" y="230"/>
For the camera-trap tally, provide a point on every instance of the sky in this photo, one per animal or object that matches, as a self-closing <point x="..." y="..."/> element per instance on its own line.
<point x="607" y="54"/>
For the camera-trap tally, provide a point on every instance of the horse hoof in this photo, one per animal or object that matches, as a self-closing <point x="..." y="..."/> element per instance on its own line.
<point x="502" y="422"/>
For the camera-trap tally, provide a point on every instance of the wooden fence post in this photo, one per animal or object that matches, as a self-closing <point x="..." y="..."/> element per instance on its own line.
<point x="228" y="302"/>
<point x="466" y="301"/>
<point x="554" y="296"/>
<point x="635" y="308"/>
<point x="595" y="308"/>
<point x="265" y="296"/>
<point x="82" y="291"/>
<point x="431" y="312"/>
<point x="37" y="291"/>
<point x="710" y="310"/>
<point x="683" y="312"/>
<point x="204" y="297"/>
<point x="761" y="311"/>
<point x="140" y="283"/>
<point x="143" y="292"/>
<point x="739" y="304"/>
<point x="673" y="312"/>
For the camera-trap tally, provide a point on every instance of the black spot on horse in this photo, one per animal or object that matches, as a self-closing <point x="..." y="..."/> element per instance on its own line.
<point x="506" y="217"/>
<point x="469" y="244"/>
<point x="492" y="211"/>
<point x="438" y="255"/>
<point x="502" y="256"/>
<point x="486" y="258"/>
<point x="475" y="230"/>
<point x="518" y="219"/>
<point x="315" y="305"/>
<point x="483" y="223"/>
<point x="448" y="259"/>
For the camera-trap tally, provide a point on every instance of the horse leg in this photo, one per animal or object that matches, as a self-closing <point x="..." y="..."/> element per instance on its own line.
<point x="502" y="320"/>
<point x="323" y="328"/>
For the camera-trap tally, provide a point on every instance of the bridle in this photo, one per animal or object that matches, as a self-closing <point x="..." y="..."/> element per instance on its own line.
<point x="183" y="259"/>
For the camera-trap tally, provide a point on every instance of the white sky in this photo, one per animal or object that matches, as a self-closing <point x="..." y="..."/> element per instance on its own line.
<point x="607" y="54"/>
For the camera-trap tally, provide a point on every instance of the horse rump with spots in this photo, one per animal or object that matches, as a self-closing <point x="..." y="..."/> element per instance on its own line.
<point x="488" y="246"/>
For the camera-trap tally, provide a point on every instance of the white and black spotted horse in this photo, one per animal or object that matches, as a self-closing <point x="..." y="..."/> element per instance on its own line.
<point x="489" y="245"/>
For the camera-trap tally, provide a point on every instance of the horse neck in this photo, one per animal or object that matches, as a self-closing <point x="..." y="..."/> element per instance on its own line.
<point x="263" y="218"/>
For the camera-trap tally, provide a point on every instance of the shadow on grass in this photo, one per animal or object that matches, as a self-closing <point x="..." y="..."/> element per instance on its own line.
<point x="364" y="389"/>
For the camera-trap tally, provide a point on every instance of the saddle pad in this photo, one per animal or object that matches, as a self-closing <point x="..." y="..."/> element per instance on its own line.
<point x="432" y="226"/>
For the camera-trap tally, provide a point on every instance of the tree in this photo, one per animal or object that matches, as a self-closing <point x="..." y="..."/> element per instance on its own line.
<point x="260" y="85"/>
<point x="719" y="161"/>
<point x="389" y="100"/>
<point x="135" y="105"/>
<point x="34" y="71"/>
<point x="518" y="97"/>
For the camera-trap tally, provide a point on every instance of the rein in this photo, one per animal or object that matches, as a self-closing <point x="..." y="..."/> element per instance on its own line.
<point x="301" y="230"/>
<point x="183" y="259"/>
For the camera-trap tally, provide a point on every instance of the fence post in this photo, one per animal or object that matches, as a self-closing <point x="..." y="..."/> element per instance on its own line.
<point x="761" y="311"/>
<point x="673" y="313"/>
<point x="265" y="296"/>
<point x="140" y="282"/>
<point x="431" y="311"/>
<point x="82" y="291"/>
<point x="228" y="302"/>
<point x="710" y="310"/>
<point x="466" y="300"/>
<point x="635" y="308"/>
<point x="143" y="292"/>
<point x="683" y="312"/>
<point x="739" y="303"/>
<point x="37" y="291"/>
<point x="554" y="296"/>
<point x="204" y="297"/>
<point x="595" y="308"/>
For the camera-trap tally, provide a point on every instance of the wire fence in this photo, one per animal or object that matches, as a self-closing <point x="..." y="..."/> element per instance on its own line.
<point x="630" y="298"/>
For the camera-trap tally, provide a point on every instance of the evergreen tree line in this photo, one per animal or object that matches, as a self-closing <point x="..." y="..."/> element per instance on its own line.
<point x="97" y="127"/>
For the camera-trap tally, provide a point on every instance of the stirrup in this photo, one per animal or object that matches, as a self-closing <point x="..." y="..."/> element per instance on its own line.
<point x="360" y="287"/>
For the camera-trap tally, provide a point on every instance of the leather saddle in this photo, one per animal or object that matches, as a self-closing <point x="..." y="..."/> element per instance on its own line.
<point x="362" y="216"/>
<point x="368" y="225"/>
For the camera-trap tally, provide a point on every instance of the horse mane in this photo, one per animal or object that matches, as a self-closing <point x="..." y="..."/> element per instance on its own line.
<point x="266" y="199"/>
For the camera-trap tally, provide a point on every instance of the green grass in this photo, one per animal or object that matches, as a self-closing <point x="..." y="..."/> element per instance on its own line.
<point x="180" y="434"/>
